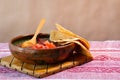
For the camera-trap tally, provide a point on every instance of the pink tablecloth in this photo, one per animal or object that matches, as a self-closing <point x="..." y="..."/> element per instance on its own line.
<point x="105" y="66"/>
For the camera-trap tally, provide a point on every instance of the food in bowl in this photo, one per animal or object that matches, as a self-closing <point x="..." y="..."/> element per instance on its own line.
<point x="40" y="56"/>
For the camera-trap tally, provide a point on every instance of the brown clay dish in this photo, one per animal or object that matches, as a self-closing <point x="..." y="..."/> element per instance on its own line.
<point x="42" y="56"/>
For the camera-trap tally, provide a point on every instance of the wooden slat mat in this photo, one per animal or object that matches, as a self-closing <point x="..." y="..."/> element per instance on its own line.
<point x="46" y="69"/>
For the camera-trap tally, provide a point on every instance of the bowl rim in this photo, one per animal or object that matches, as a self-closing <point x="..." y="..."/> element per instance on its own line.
<point x="22" y="36"/>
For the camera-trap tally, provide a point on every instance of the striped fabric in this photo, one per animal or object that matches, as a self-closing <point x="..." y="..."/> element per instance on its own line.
<point x="105" y="65"/>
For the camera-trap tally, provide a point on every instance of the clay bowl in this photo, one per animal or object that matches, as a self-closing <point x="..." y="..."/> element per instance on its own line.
<point x="42" y="56"/>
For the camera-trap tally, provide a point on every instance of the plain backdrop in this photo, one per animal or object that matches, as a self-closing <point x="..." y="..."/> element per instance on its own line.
<point x="91" y="19"/>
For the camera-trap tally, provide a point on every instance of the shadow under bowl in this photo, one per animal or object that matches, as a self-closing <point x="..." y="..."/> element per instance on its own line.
<point x="42" y="56"/>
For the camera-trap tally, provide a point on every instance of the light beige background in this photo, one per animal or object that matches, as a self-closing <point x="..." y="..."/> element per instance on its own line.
<point x="91" y="19"/>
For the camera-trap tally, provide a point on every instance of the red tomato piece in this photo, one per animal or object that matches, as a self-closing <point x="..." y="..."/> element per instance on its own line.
<point x="39" y="45"/>
<point x="45" y="45"/>
<point x="34" y="47"/>
<point x="49" y="45"/>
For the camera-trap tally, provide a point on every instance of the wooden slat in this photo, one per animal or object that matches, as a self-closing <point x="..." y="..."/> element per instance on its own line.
<point x="40" y="70"/>
<point x="6" y="61"/>
<point x="16" y="64"/>
<point x="53" y="68"/>
<point x="28" y="68"/>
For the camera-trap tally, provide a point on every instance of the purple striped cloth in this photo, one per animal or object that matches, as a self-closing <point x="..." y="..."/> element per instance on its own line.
<point x="105" y="65"/>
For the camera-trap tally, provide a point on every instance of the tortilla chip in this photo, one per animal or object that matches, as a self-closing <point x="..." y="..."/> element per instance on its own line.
<point x="57" y="35"/>
<point x="64" y="36"/>
<point x="67" y="32"/>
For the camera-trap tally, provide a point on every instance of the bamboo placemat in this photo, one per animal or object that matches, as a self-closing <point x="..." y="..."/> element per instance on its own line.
<point x="46" y="69"/>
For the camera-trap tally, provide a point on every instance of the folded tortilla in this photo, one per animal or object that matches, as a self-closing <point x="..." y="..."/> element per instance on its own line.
<point x="62" y="34"/>
<point x="65" y="31"/>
